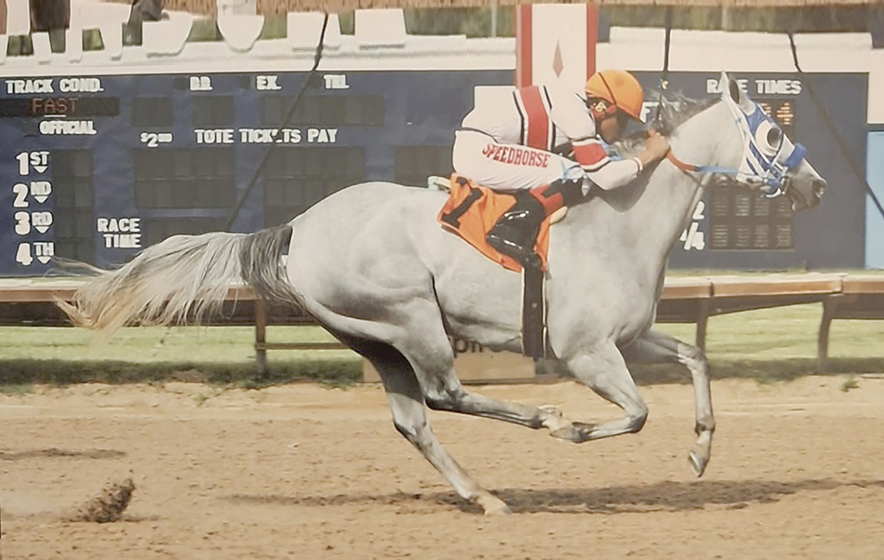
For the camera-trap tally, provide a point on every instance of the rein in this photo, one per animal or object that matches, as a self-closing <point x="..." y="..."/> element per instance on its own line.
<point x="689" y="168"/>
<point x="686" y="167"/>
<point x="774" y="190"/>
<point x="692" y="168"/>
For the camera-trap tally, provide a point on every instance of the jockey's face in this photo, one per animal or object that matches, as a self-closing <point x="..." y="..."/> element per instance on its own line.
<point x="611" y="127"/>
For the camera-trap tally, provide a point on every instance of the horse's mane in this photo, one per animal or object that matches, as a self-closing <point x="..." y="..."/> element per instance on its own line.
<point x="674" y="110"/>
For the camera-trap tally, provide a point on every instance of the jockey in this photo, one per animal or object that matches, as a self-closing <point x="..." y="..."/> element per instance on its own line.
<point x="516" y="147"/>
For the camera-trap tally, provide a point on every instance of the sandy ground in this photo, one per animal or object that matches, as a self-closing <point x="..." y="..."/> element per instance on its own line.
<point x="309" y="472"/>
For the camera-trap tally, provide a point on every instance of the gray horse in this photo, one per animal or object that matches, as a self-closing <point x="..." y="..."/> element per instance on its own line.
<point x="372" y="265"/>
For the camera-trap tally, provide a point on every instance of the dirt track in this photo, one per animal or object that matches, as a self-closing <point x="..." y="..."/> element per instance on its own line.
<point x="306" y="472"/>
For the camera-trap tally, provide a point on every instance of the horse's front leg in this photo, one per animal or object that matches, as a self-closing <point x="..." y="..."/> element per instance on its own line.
<point x="656" y="347"/>
<point x="603" y="369"/>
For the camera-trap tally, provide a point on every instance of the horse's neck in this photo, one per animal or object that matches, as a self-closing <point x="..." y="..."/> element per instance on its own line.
<point x="652" y="223"/>
<point x="671" y="195"/>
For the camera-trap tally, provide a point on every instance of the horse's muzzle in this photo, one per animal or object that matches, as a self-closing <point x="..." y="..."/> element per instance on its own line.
<point x="804" y="196"/>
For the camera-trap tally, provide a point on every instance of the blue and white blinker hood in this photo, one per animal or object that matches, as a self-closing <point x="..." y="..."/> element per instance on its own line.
<point x="768" y="155"/>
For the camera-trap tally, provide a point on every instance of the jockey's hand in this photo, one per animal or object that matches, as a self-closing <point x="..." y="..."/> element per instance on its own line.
<point x="656" y="147"/>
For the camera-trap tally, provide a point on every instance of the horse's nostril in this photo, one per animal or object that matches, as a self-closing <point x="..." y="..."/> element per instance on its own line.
<point x="819" y="187"/>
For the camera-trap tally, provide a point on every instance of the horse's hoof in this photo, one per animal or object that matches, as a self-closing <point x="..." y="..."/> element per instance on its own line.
<point x="698" y="459"/>
<point x="493" y="506"/>
<point x="567" y="433"/>
<point x="576" y="432"/>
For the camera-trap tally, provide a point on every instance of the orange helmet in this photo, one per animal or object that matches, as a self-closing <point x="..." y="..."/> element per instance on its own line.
<point x="619" y="88"/>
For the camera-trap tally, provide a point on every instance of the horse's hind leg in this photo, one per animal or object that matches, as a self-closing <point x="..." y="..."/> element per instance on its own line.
<point x="656" y="347"/>
<point x="410" y="418"/>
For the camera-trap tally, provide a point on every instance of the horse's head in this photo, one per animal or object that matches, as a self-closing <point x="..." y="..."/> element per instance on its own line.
<point x="770" y="162"/>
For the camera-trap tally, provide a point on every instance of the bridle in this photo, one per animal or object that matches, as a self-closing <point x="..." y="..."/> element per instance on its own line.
<point x="763" y="167"/>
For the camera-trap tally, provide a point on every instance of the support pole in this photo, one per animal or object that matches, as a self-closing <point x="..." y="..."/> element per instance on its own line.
<point x="261" y="336"/>
<point x="830" y="306"/>
<point x="702" y="321"/>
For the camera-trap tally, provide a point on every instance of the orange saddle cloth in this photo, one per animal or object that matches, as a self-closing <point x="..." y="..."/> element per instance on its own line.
<point x="472" y="210"/>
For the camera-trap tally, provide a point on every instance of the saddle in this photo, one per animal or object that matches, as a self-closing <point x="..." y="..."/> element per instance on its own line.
<point x="470" y="212"/>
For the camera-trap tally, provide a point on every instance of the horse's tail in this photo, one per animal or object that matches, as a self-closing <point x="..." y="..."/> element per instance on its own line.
<point x="184" y="278"/>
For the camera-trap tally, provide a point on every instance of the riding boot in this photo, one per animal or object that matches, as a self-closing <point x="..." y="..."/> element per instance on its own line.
<point x="515" y="233"/>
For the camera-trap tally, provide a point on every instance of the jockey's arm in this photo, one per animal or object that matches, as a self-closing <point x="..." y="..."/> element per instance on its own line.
<point x="600" y="170"/>
<point x="609" y="174"/>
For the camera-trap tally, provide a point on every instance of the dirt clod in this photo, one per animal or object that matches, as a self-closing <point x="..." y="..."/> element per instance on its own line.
<point x="109" y="505"/>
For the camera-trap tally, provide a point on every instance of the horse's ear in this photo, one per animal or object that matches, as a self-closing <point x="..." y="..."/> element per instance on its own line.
<point x="732" y="89"/>
<point x="723" y="82"/>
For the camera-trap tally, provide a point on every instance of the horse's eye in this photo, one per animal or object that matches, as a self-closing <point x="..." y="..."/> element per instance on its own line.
<point x="769" y="138"/>
<point x="775" y="136"/>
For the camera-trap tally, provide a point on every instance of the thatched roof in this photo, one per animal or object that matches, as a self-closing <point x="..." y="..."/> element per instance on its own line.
<point x="337" y="6"/>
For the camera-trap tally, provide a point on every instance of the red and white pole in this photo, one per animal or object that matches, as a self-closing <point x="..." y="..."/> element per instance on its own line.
<point x="555" y="42"/>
